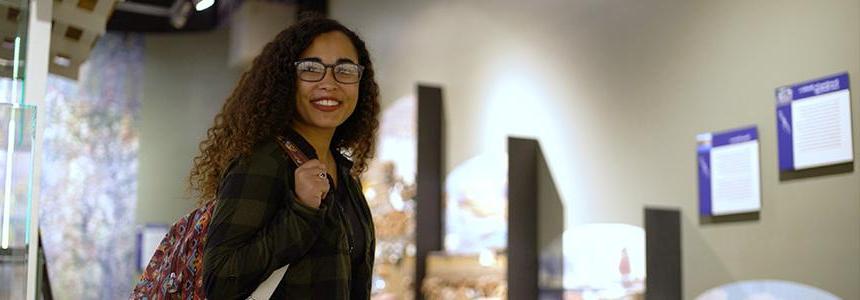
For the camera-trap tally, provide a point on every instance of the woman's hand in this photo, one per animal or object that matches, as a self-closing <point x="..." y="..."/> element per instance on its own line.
<point x="311" y="183"/>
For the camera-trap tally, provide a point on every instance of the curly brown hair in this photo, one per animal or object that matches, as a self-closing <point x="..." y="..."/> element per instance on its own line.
<point x="263" y="103"/>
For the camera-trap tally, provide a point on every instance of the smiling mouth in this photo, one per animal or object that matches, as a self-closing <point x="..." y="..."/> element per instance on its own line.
<point x="326" y="105"/>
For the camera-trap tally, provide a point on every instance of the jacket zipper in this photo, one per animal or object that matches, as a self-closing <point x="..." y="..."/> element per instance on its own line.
<point x="347" y="228"/>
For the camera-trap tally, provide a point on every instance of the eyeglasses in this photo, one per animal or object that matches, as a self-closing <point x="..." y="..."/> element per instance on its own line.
<point x="314" y="71"/>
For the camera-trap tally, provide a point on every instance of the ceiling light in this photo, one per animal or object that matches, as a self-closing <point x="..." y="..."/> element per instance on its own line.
<point x="201" y="5"/>
<point x="62" y="60"/>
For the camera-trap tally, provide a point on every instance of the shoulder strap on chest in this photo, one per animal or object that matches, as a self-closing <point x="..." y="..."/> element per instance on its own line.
<point x="293" y="151"/>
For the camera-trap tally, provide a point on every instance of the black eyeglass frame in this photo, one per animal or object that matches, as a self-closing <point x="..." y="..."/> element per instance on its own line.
<point x="325" y="70"/>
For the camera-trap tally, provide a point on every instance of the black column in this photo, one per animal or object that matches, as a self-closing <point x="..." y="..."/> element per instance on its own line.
<point x="663" y="254"/>
<point x="522" y="219"/>
<point x="429" y="213"/>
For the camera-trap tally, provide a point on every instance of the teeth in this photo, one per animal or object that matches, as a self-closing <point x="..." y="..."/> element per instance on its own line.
<point x="326" y="102"/>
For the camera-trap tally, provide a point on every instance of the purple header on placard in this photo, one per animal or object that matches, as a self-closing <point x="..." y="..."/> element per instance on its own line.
<point x="736" y="136"/>
<point x="138" y="250"/>
<point x="785" y="148"/>
<point x="704" y="164"/>
<point x="833" y="83"/>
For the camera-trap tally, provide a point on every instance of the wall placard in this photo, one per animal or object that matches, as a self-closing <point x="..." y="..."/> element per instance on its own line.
<point x="729" y="172"/>
<point x="813" y="121"/>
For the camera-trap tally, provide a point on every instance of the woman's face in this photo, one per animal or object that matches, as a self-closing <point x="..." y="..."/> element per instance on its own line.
<point x="327" y="103"/>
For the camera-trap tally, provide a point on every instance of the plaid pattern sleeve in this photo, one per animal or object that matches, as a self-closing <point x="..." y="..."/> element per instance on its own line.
<point x="257" y="226"/>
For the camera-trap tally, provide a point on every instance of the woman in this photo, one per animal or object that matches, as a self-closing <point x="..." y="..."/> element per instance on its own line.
<point x="314" y="86"/>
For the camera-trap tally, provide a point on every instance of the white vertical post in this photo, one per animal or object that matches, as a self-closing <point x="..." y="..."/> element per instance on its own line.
<point x="36" y="68"/>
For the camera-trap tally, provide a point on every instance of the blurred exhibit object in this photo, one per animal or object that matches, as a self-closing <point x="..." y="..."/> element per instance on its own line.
<point x="600" y="261"/>
<point x="765" y="289"/>
<point x="389" y="186"/>
<point x="468" y="276"/>
<point x="477" y="205"/>
<point x="90" y="144"/>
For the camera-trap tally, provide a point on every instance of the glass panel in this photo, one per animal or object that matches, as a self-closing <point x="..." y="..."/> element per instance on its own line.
<point x="14" y="15"/>
<point x="17" y="132"/>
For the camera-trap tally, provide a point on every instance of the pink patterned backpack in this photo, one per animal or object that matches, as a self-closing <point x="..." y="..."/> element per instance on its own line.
<point x="175" y="271"/>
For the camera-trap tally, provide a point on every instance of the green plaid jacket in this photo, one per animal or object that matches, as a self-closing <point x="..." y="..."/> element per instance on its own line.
<point x="258" y="226"/>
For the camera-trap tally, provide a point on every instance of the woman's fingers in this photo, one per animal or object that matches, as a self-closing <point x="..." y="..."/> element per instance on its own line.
<point x="311" y="183"/>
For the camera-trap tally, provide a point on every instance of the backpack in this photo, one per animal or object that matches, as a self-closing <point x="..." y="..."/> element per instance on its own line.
<point x="175" y="271"/>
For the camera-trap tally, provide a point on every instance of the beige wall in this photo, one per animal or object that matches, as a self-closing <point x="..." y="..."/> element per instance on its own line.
<point x="185" y="83"/>
<point x="616" y="92"/>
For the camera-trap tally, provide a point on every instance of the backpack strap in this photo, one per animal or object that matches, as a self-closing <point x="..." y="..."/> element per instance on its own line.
<point x="292" y="150"/>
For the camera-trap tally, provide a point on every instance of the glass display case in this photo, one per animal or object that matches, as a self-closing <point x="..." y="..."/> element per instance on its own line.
<point x="17" y="135"/>
<point x="17" y="125"/>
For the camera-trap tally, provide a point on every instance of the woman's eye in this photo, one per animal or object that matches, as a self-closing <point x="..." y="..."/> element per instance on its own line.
<point x="347" y="71"/>
<point x="310" y="68"/>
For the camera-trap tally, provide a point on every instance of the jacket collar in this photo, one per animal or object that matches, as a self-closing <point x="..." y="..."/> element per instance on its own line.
<point x="341" y="160"/>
